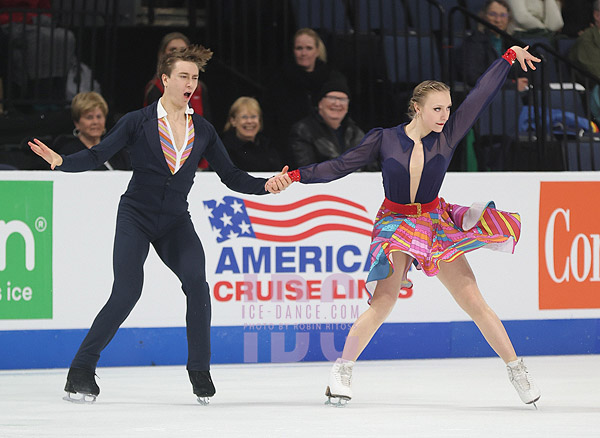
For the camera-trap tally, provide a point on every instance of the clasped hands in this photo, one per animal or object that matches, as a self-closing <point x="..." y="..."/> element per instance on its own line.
<point x="278" y="183"/>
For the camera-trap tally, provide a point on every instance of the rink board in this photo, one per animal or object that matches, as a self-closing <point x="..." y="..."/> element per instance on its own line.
<point x="167" y="346"/>
<point x="288" y="292"/>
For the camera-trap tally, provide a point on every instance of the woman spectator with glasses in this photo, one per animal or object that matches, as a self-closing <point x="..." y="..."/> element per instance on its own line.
<point x="484" y="46"/>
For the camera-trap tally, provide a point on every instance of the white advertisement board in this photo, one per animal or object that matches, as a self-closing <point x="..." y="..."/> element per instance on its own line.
<point x="300" y="258"/>
<point x="303" y="261"/>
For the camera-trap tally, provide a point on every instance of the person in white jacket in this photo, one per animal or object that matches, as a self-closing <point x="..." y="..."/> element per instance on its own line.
<point x="536" y="16"/>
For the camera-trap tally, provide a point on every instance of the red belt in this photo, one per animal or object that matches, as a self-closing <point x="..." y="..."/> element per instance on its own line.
<point x="411" y="210"/>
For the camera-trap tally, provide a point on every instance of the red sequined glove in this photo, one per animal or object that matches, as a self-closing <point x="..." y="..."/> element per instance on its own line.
<point x="510" y="56"/>
<point x="294" y="175"/>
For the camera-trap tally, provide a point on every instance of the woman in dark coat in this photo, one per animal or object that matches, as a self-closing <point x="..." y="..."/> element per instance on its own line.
<point x="291" y="94"/>
<point x="248" y="147"/>
<point x="89" y="111"/>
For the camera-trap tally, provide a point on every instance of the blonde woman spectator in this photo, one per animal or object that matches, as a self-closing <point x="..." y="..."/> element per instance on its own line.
<point x="292" y="92"/>
<point x="247" y="146"/>
<point x="89" y="111"/>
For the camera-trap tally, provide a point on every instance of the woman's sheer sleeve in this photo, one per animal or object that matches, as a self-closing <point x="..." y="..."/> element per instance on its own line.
<point x="353" y="159"/>
<point x="477" y="101"/>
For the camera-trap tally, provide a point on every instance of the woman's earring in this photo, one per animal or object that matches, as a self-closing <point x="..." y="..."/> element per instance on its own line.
<point x="76" y="132"/>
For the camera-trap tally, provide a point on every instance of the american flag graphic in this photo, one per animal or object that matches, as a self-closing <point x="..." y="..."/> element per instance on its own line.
<point x="233" y="217"/>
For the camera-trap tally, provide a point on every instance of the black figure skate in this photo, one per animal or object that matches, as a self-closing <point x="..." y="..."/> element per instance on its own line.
<point x="81" y="386"/>
<point x="202" y="385"/>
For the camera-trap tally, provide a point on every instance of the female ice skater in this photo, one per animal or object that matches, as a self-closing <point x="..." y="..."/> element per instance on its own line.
<point x="414" y="225"/>
<point x="166" y="141"/>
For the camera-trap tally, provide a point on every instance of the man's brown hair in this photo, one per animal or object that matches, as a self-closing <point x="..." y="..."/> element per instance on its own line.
<point x="199" y="55"/>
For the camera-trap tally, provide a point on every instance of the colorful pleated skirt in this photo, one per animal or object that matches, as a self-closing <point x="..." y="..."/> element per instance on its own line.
<point x="440" y="235"/>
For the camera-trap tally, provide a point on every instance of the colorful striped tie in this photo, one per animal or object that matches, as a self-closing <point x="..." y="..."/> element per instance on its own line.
<point x="169" y="149"/>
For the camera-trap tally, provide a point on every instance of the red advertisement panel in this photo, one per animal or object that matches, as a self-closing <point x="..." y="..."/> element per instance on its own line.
<point x="569" y="249"/>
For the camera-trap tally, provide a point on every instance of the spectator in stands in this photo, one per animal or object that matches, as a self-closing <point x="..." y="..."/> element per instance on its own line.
<point x="1" y="95"/>
<point x="484" y="46"/>
<point x="154" y="88"/>
<point x="30" y="38"/>
<point x="248" y="147"/>
<point x="327" y="132"/>
<point x="586" y="54"/>
<point x="577" y="16"/>
<point x="89" y="111"/>
<point x="535" y="17"/>
<point x="3" y="67"/>
<point x="290" y="95"/>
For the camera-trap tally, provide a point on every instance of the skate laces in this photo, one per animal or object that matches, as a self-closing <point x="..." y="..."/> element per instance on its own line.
<point x="519" y="374"/>
<point x="343" y="374"/>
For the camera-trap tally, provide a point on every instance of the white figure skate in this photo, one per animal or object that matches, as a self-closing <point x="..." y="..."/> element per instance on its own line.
<point x="339" y="391"/>
<point x="521" y="380"/>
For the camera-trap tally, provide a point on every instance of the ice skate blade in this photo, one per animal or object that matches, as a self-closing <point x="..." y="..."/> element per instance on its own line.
<point x="534" y="403"/>
<point x="337" y="402"/>
<point x="84" y="399"/>
<point x="341" y="402"/>
<point x="204" y="401"/>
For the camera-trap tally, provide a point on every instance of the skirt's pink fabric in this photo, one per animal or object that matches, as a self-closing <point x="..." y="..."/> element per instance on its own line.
<point x="439" y="236"/>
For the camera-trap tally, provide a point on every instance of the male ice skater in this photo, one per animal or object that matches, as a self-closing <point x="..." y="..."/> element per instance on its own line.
<point x="166" y="141"/>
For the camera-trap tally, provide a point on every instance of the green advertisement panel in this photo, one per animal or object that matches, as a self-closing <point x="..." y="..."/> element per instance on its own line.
<point x="25" y="249"/>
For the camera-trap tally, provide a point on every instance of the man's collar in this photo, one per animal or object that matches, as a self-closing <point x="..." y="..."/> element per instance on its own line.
<point x="161" y="112"/>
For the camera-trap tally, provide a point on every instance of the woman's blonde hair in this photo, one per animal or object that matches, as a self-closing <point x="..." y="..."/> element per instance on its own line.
<point x="318" y="41"/>
<point x="84" y="102"/>
<point x="249" y="103"/>
<point x="420" y="94"/>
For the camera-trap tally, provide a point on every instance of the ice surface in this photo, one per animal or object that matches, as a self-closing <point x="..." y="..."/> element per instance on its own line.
<point x="408" y="398"/>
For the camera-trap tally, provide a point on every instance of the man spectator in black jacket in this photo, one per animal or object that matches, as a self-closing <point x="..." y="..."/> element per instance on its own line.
<point x="327" y="132"/>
